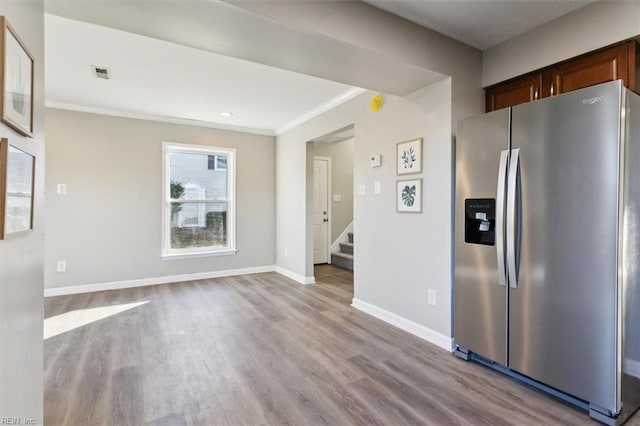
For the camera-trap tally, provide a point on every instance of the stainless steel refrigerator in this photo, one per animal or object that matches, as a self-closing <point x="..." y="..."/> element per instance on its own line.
<point x="547" y="246"/>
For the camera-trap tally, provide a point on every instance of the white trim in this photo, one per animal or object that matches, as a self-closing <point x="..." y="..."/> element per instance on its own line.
<point x="329" y="203"/>
<point x="344" y="237"/>
<point x="193" y="255"/>
<point x="169" y="279"/>
<point x="296" y="277"/>
<point x="445" y="342"/>
<point x="631" y="367"/>
<point x="157" y="118"/>
<point x="350" y="94"/>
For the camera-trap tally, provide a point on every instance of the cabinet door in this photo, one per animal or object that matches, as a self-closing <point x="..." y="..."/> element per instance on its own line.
<point x="615" y="63"/>
<point x="514" y="92"/>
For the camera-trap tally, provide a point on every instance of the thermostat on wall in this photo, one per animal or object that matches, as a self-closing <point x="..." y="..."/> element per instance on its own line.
<point x="375" y="160"/>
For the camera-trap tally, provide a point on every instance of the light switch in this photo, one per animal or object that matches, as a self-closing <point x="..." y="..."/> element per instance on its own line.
<point x="376" y="187"/>
<point x="62" y="189"/>
<point x="337" y="197"/>
<point x="362" y="190"/>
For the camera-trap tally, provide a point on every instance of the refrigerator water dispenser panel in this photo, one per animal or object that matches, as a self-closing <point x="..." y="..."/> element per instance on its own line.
<point x="480" y="221"/>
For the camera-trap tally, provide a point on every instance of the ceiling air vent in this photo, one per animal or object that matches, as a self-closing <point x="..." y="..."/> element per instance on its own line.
<point x="102" y="72"/>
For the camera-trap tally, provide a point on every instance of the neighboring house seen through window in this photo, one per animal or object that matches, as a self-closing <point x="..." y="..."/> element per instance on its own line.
<point x="199" y="194"/>
<point x="217" y="162"/>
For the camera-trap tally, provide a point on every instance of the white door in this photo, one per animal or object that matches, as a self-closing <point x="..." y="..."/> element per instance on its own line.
<point x="320" y="211"/>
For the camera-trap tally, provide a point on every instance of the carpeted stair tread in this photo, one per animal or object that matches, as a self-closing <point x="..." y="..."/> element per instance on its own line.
<point x="346" y="248"/>
<point x="343" y="260"/>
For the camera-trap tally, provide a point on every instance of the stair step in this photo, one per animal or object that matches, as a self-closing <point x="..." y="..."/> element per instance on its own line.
<point x="343" y="260"/>
<point x="350" y="235"/>
<point x="346" y="248"/>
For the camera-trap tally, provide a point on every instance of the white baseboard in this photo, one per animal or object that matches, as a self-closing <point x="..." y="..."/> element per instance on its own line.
<point x="296" y="277"/>
<point x="116" y="285"/>
<point x="631" y="367"/>
<point x="445" y="342"/>
<point x="343" y="238"/>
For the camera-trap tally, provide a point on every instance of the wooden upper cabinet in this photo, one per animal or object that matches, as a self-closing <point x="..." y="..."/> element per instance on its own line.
<point x="514" y="92"/>
<point x="616" y="62"/>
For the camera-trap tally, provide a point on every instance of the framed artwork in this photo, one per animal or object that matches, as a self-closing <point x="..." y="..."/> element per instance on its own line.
<point x="409" y="196"/>
<point x="16" y="189"/>
<point x="16" y="78"/>
<point x="409" y="157"/>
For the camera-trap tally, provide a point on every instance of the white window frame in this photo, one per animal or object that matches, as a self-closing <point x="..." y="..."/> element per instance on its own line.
<point x="172" y="147"/>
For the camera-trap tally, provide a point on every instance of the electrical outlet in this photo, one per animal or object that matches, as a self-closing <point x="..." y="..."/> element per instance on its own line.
<point x="62" y="189"/>
<point x="61" y="266"/>
<point x="432" y="297"/>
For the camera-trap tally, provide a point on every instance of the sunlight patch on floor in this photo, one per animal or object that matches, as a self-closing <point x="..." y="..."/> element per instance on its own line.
<point x="75" y="319"/>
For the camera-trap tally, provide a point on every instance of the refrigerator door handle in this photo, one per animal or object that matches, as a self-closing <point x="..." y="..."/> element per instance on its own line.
<point x="500" y="195"/>
<point x="512" y="231"/>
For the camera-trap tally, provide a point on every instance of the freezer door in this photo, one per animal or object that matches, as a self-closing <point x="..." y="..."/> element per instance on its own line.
<point x="480" y="323"/>
<point x="562" y="314"/>
<point x="630" y="299"/>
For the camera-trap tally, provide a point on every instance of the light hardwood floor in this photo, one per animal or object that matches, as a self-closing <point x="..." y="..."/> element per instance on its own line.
<point x="262" y="349"/>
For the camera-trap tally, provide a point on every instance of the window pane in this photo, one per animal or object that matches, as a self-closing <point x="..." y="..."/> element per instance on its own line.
<point x="198" y="225"/>
<point x="192" y="178"/>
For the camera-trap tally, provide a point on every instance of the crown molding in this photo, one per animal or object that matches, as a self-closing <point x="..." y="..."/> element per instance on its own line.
<point x="157" y="118"/>
<point x="350" y="94"/>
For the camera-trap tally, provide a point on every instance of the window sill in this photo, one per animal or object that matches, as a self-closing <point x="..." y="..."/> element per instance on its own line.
<point x="179" y="256"/>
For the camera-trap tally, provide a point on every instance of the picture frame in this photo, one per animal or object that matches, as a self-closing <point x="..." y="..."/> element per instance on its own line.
<point x="409" y="196"/>
<point x="17" y="176"/>
<point x="16" y="81"/>
<point x="409" y="157"/>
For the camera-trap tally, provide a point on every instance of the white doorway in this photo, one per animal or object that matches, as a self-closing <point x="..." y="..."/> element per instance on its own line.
<point x="321" y="209"/>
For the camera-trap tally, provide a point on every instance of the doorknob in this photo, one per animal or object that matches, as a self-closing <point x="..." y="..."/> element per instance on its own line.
<point x="325" y="220"/>
<point x="324" y="213"/>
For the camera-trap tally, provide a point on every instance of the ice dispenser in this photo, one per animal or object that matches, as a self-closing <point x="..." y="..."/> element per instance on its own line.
<point x="480" y="221"/>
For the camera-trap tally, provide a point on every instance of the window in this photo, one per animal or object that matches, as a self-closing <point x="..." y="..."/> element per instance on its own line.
<point x="199" y="194"/>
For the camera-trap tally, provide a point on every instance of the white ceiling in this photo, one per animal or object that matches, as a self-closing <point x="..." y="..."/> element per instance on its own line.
<point x="145" y="46"/>
<point x="160" y="79"/>
<point x="480" y="23"/>
<point x="230" y="30"/>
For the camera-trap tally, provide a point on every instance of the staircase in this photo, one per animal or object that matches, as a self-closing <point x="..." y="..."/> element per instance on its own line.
<point x="344" y="258"/>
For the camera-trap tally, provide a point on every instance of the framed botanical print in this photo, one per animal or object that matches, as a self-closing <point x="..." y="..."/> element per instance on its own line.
<point x="409" y="157"/>
<point x="16" y="80"/>
<point x="409" y="196"/>
<point x="16" y="189"/>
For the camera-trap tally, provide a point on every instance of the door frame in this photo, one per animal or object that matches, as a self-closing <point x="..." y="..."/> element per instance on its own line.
<point x="329" y="198"/>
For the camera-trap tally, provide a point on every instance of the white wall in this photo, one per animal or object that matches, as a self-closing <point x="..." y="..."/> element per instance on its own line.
<point x="22" y="257"/>
<point x="597" y="25"/>
<point x="341" y="154"/>
<point x="399" y="256"/>
<point x="108" y="226"/>
<point x="431" y="113"/>
<point x="293" y="172"/>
